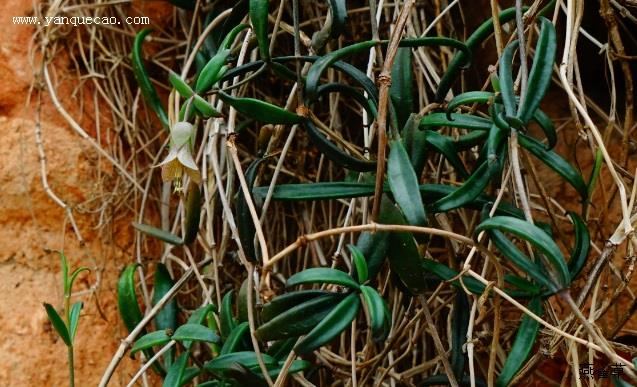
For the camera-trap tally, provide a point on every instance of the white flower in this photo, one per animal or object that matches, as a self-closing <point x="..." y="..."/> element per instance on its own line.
<point x="180" y="161"/>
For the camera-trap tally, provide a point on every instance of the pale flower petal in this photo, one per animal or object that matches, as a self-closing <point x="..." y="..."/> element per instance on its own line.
<point x="171" y="170"/>
<point x="180" y="133"/>
<point x="185" y="158"/>
<point x="172" y="155"/>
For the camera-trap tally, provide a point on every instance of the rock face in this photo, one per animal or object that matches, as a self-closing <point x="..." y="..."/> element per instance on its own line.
<point x="31" y="354"/>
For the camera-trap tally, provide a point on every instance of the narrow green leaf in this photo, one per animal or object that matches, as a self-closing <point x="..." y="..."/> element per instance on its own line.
<point x="465" y="121"/>
<point x="446" y="273"/>
<point x="195" y="332"/>
<point x="403" y="183"/>
<point x="66" y="284"/>
<point x="331" y="326"/>
<point x="244" y="376"/>
<point x="470" y="140"/>
<point x="281" y="348"/>
<point x="286" y="301"/>
<point x="242" y="301"/>
<point x="538" y="238"/>
<point x="467" y="192"/>
<point x="322" y="275"/>
<point x="474" y="41"/>
<point x="235" y="339"/>
<point x="546" y="124"/>
<point x="149" y="340"/>
<point x="226" y="318"/>
<point x="58" y="324"/>
<point x="459" y="328"/>
<point x="260" y="110"/>
<point x="299" y="319"/>
<point x="404" y="257"/>
<point x="506" y="78"/>
<point x="374" y="247"/>
<point x="582" y="246"/>
<point x="334" y="153"/>
<point x="175" y="374"/>
<point x="401" y="91"/>
<point x="141" y="75"/>
<point x="359" y="263"/>
<point x="127" y="299"/>
<point x="259" y="20"/>
<point x="319" y="67"/>
<point x="556" y="163"/>
<point x="597" y="168"/>
<point x="159" y="234"/>
<point x="367" y="103"/>
<point x="74" y="319"/>
<point x="467" y="98"/>
<point x="245" y="358"/>
<point x="445" y="146"/>
<point x="414" y="141"/>
<point x="376" y="308"/>
<point x="166" y="318"/>
<point x="334" y="25"/>
<point x="540" y="75"/>
<point x="182" y="87"/>
<point x="73" y="277"/>
<point x="204" y="108"/>
<point x="522" y="346"/>
<point x="245" y="224"/>
<point x="211" y="73"/>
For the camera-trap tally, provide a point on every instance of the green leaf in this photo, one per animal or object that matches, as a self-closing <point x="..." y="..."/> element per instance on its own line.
<point x="474" y="41"/>
<point x="195" y="332"/>
<point x="556" y="163"/>
<point x="465" y="121"/>
<point x="506" y="78"/>
<point x="192" y="208"/>
<point x="404" y="257"/>
<point x="245" y="224"/>
<point x="403" y="183"/>
<point x="540" y="75"/>
<point x="166" y="318"/>
<point x="376" y="308"/>
<point x="281" y="348"/>
<point x="182" y="87"/>
<point x="175" y="374"/>
<point x="618" y="382"/>
<point x="259" y="20"/>
<point x="445" y="146"/>
<point x="524" y="340"/>
<point x="245" y="358"/>
<point x="470" y="140"/>
<point x="149" y="340"/>
<point x="284" y="302"/>
<point x="582" y="246"/>
<point x="244" y="376"/>
<point x="334" y="153"/>
<point x="260" y="111"/>
<point x="58" y="324"/>
<point x="467" y="98"/>
<point x="467" y="192"/>
<point x="538" y="238"/>
<point x="226" y="318"/>
<point x="319" y="67"/>
<point x="459" y="328"/>
<point x="401" y="91"/>
<point x="547" y="127"/>
<point x="374" y="247"/>
<point x="299" y="319"/>
<point x="521" y="260"/>
<point x="159" y="234"/>
<point x="204" y="107"/>
<point x="446" y="273"/>
<point x="127" y="299"/>
<point x="242" y="301"/>
<point x="414" y="142"/>
<point x="66" y="284"/>
<point x="333" y="27"/>
<point x="367" y="103"/>
<point x="331" y="326"/>
<point x="322" y="275"/>
<point x="73" y="277"/>
<point x="74" y="319"/>
<point x="359" y="263"/>
<point x="212" y="71"/>
<point x="235" y="339"/>
<point x="141" y="75"/>
<point x="597" y="168"/>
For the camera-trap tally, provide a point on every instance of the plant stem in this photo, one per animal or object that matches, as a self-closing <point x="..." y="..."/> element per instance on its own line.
<point x="71" y="367"/>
